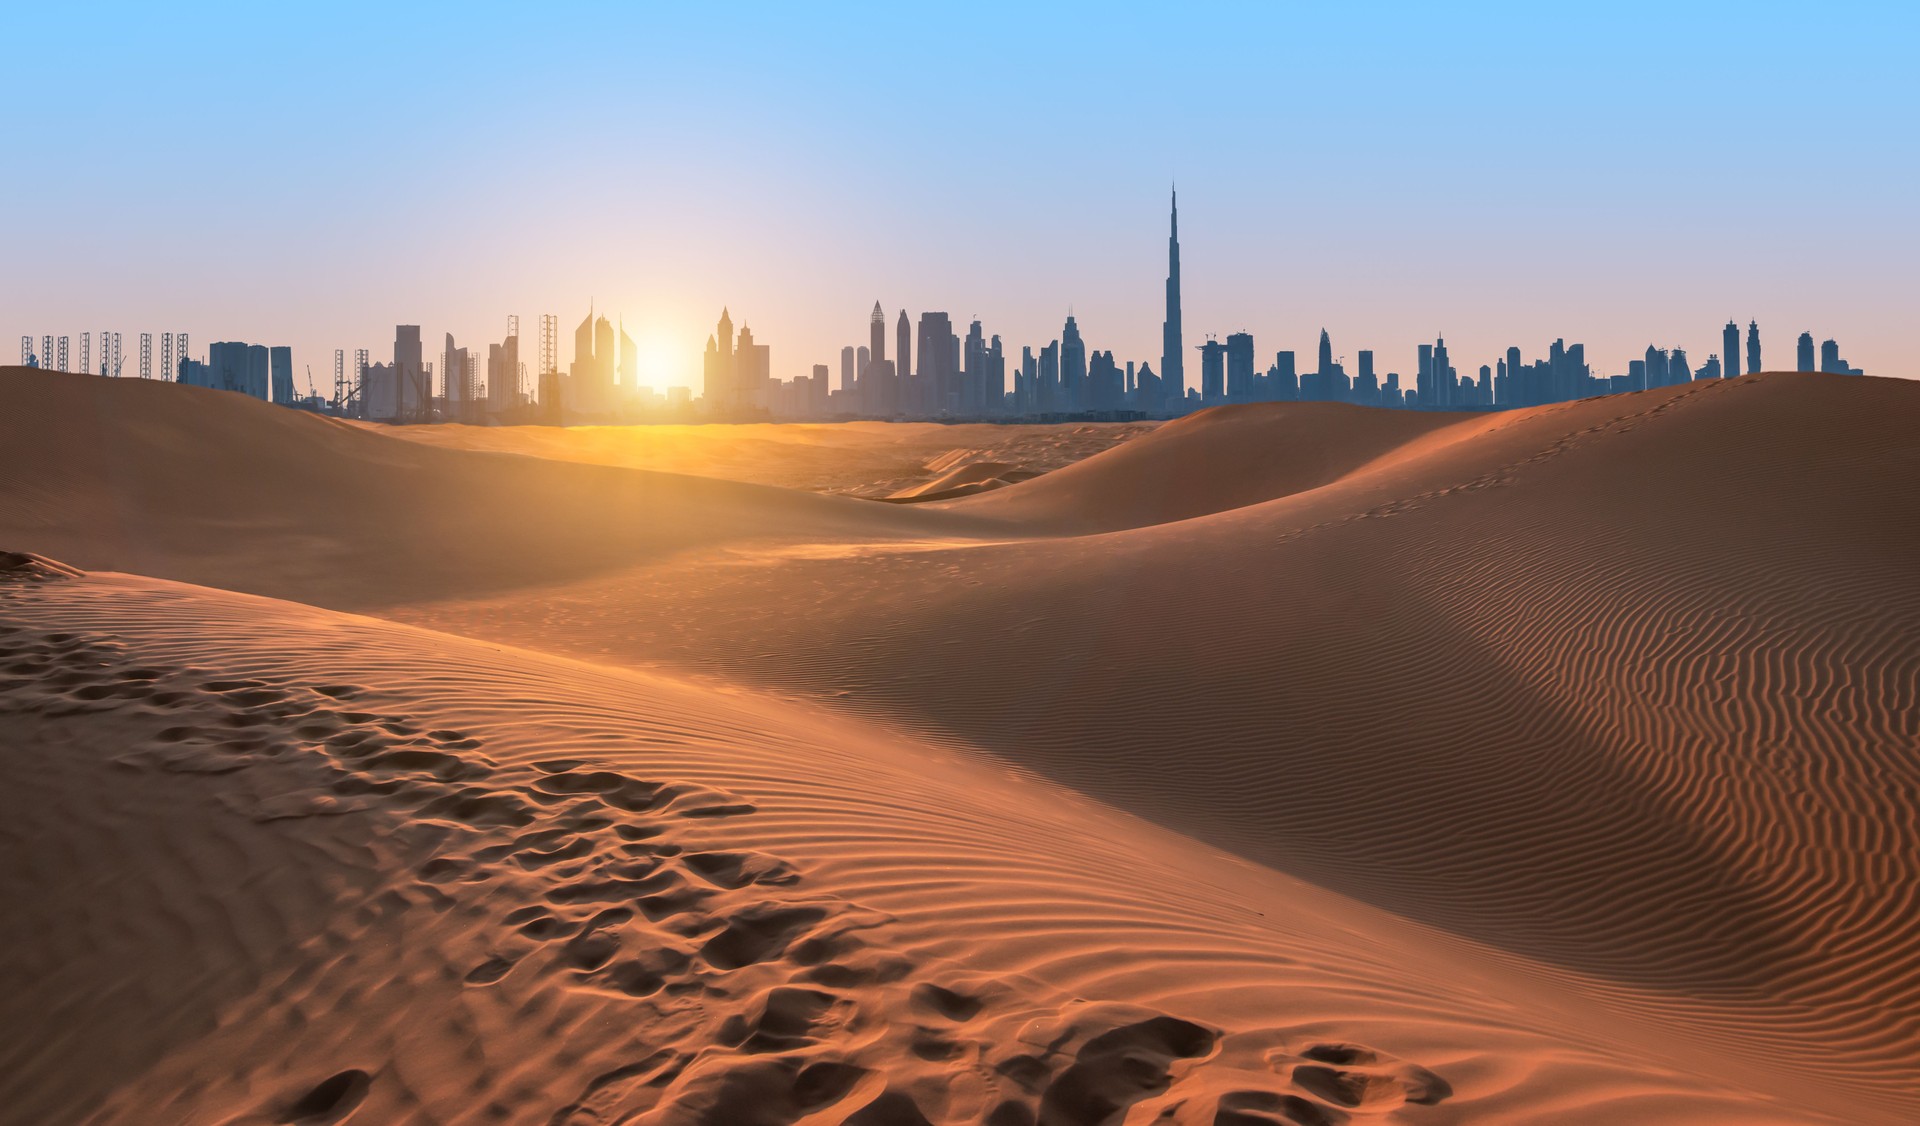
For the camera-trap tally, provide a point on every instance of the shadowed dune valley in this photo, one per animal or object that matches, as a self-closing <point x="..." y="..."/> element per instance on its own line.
<point x="1280" y="764"/>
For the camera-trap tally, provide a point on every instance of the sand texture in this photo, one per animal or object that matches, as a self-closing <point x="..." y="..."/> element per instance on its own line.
<point x="1282" y="764"/>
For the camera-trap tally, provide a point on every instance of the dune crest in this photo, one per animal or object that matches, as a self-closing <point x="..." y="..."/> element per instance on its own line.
<point x="1281" y="765"/>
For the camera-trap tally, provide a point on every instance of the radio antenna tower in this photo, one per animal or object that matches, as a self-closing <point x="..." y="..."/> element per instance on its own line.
<point x="86" y="353"/>
<point x="26" y="351"/>
<point x="339" y="378"/>
<point x="549" y="344"/>
<point x="146" y="355"/>
<point x="63" y="354"/>
<point x="116" y="354"/>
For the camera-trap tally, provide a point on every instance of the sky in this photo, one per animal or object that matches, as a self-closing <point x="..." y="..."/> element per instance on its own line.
<point x="1616" y="175"/>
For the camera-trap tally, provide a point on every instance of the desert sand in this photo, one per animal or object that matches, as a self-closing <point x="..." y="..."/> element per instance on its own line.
<point x="1293" y="763"/>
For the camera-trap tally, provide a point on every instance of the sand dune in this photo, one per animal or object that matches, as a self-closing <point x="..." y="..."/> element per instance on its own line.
<point x="1216" y="460"/>
<point x="221" y="489"/>
<point x="1563" y="759"/>
<point x="965" y="479"/>
<point x="329" y="867"/>
<point x="1628" y="687"/>
<point x="873" y="459"/>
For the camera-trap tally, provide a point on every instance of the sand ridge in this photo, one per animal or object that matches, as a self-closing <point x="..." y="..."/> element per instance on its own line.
<point x="1561" y="756"/>
<point x="605" y="897"/>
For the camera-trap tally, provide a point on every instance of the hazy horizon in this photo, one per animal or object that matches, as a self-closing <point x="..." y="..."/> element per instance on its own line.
<point x="292" y="179"/>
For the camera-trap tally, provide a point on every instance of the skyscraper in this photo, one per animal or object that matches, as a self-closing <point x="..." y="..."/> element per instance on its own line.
<point x="503" y="370"/>
<point x="1073" y="367"/>
<point x="1213" y="384"/>
<point x="1240" y="367"/>
<point x="973" y="367"/>
<point x="902" y="365"/>
<point x="1730" y="348"/>
<point x="1806" y="353"/>
<point x="939" y="351"/>
<point x="877" y="336"/>
<point x="1753" y="347"/>
<point x="717" y="389"/>
<point x="1172" y="369"/>
<point x="629" y="362"/>
<point x="280" y="364"/>
<point x="411" y="393"/>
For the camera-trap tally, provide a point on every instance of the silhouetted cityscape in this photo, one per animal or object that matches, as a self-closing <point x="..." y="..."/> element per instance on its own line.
<point x="934" y="374"/>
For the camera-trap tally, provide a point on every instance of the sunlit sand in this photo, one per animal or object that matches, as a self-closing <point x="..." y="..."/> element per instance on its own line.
<point x="1286" y="763"/>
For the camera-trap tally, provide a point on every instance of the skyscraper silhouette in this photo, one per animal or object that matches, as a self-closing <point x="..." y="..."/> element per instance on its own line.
<point x="1172" y="364"/>
<point x="1806" y="353"/>
<point x="1073" y="367"/>
<point x="902" y="365"/>
<point x="1753" y="347"/>
<point x="629" y="362"/>
<point x="1213" y="372"/>
<point x="1730" y="347"/>
<point x="1240" y="367"/>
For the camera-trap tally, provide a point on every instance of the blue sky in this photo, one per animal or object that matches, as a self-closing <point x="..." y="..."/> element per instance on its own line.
<point x="1618" y="174"/>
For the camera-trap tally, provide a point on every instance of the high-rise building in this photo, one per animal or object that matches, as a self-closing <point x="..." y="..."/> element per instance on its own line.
<point x="1047" y="384"/>
<point x="280" y="367"/>
<point x="227" y="365"/>
<point x="877" y="336"/>
<point x="1831" y="361"/>
<point x="939" y="355"/>
<point x="847" y="369"/>
<point x="718" y="390"/>
<point x="1213" y="373"/>
<point x="1805" y="350"/>
<point x="903" y="397"/>
<point x="629" y="366"/>
<point x="752" y="371"/>
<point x="1240" y="367"/>
<point x="1366" y="385"/>
<point x="994" y="390"/>
<point x="411" y="392"/>
<point x="1730" y="347"/>
<point x="503" y="370"/>
<point x="1172" y="372"/>
<point x="1073" y="367"/>
<point x="1753" y="347"/>
<point x="973" y="371"/>
<point x="1656" y="361"/>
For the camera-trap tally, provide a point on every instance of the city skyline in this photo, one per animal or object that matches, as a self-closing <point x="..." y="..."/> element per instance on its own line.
<point x="935" y="377"/>
<point x="1594" y="207"/>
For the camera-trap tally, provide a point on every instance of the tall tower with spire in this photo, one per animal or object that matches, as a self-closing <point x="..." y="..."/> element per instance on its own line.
<point x="903" y="397"/>
<point x="1172" y="364"/>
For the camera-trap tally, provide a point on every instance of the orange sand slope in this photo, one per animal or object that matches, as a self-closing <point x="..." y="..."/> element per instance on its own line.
<point x="1567" y="754"/>
<point x="1629" y="688"/>
<point x="209" y="486"/>
<point x="874" y="459"/>
<point x="275" y="864"/>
